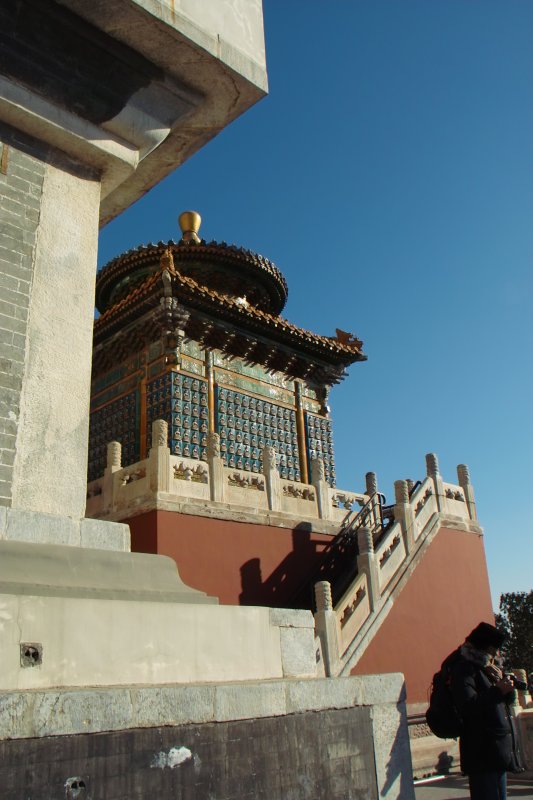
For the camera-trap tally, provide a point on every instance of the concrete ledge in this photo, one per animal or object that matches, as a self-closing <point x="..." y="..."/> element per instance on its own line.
<point x="291" y="618"/>
<point x="55" y="712"/>
<point x="56" y="570"/>
<point x="99" y="535"/>
<point x="19" y="525"/>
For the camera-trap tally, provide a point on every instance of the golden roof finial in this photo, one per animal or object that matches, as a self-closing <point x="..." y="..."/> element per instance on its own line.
<point x="190" y="222"/>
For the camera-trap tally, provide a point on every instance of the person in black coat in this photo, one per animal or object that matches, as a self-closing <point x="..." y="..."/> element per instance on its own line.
<point x="482" y="694"/>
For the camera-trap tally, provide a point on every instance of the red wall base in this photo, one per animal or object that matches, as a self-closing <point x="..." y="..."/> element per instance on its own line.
<point x="242" y="563"/>
<point x="445" y="598"/>
<point x="238" y="562"/>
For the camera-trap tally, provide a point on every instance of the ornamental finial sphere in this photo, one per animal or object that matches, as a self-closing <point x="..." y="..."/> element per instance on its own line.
<point x="190" y="222"/>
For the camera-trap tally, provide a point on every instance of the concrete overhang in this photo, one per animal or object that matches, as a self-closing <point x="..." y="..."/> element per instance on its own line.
<point x="184" y="70"/>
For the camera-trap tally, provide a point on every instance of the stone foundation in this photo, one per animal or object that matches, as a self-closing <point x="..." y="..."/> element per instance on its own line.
<point x="329" y="738"/>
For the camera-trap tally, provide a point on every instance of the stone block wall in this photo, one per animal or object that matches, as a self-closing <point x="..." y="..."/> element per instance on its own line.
<point x="278" y="739"/>
<point x="21" y="182"/>
<point x="307" y="755"/>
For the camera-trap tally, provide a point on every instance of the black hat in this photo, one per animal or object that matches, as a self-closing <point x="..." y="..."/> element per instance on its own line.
<point x="485" y="635"/>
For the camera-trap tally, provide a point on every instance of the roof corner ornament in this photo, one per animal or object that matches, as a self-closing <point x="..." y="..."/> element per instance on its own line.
<point x="347" y="339"/>
<point x="189" y="222"/>
<point x="166" y="263"/>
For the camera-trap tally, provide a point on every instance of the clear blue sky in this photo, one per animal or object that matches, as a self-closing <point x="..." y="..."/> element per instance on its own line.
<point x="389" y="175"/>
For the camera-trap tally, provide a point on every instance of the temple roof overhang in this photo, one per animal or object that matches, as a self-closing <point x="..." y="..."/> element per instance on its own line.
<point x="166" y="299"/>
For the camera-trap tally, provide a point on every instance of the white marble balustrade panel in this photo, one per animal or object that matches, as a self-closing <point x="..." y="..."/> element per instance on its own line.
<point x="298" y="499"/>
<point x="454" y="500"/>
<point x="189" y="477"/>
<point x="390" y="554"/>
<point x="130" y="483"/>
<point x="244" y="488"/>
<point x="352" y="611"/>
<point x="424" y="505"/>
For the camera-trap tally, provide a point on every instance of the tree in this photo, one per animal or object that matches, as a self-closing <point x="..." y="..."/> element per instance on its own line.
<point x="516" y="619"/>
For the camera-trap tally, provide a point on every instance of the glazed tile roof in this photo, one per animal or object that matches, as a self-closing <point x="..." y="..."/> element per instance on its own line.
<point x="194" y="294"/>
<point x="264" y="284"/>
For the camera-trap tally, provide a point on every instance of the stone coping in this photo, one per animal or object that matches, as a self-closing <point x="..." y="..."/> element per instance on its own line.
<point x="64" y="711"/>
<point x="224" y="511"/>
<point x="58" y="570"/>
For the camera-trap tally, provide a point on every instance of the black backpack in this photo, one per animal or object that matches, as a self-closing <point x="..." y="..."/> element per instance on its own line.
<point x="442" y="716"/>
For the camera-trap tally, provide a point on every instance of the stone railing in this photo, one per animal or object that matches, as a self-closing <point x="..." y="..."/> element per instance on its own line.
<point x="187" y="480"/>
<point x="381" y="564"/>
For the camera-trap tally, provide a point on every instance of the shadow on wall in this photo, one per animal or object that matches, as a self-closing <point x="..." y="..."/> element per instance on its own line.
<point x="278" y="589"/>
<point x="400" y="756"/>
<point x="291" y="584"/>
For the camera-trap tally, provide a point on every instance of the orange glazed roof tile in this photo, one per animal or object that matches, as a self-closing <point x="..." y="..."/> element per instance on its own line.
<point x="152" y="288"/>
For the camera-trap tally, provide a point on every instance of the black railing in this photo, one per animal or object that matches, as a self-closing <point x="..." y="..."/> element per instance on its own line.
<point x="338" y="564"/>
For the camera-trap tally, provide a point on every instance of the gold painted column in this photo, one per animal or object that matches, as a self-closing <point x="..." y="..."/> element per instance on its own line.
<point x="142" y="417"/>
<point x="300" y="429"/>
<point x="210" y="373"/>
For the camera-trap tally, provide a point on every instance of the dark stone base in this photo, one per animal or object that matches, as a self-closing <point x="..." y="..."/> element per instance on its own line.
<point x="327" y="754"/>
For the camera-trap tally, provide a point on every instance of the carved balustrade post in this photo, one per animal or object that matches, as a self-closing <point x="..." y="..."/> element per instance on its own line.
<point x="432" y="466"/>
<point x="114" y="463"/>
<point x="159" y="458"/>
<point x="371" y="483"/>
<point x="367" y="563"/>
<point x="318" y="479"/>
<point x="463" y="477"/>
<point x="217" y="483"/>
<point x="272" y="481"/>
<point x="327" y="628"/>
<point x="404" y="514"/>
<point x="114" y="456"/>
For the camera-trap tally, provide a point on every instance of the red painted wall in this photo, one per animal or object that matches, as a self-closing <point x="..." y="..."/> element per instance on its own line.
<point x="235" y="561"/>
<point x="447" y="595"/>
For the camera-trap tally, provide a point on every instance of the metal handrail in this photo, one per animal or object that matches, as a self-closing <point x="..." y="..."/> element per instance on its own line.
<point x="372" y="516"/>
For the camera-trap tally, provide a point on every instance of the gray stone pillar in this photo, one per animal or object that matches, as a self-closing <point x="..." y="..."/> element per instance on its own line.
<point x="327" y="628"/>
<point x="159" y="457"/>
<point x="50" y="465"/>
<point x="366" y="563"/>
<point x="217" y="485"/>
<point x="404" y="513"/>
<point x="432" y="466"/>
<point x="318" y="480"/>
<point x="270" y="471"/>
<point x="463" y="477"/>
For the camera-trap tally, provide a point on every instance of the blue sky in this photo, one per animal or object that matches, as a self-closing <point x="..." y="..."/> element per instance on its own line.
<point x="389" y="175"/>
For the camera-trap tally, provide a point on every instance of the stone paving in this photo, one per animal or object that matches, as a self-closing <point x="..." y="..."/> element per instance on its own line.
<point x="456" y="788"/>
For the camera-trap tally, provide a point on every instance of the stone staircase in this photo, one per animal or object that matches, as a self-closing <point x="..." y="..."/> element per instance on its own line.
<point x="376" y="549"/>
<point x="387" y="556"/>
